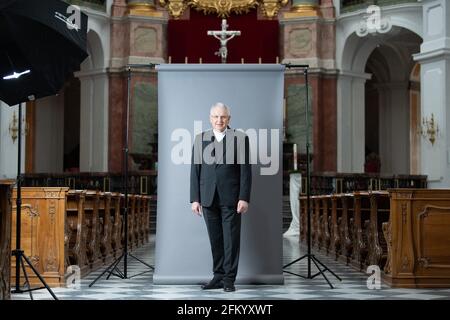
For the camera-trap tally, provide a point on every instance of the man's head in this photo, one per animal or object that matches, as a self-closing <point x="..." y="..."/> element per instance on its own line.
<point x="219" y="116"/>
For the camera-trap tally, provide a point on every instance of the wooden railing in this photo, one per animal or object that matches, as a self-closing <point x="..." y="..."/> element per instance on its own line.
<point x="143" y="183"/>
<point x="332" y="182"/>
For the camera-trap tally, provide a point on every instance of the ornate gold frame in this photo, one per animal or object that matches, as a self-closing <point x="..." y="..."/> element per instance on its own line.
<point x="223" y="8"/>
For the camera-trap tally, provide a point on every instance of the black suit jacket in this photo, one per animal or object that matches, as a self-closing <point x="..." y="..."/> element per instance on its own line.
<point x="222" y="166"/>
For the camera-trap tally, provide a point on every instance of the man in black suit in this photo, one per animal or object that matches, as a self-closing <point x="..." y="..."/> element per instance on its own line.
<point x="221" y="179"/>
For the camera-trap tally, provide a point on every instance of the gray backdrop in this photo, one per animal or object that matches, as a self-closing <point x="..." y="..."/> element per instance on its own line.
<point x="185" y="94"/>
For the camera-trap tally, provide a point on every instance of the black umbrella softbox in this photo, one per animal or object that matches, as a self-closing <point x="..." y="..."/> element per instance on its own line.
<point x="46" y="37"/>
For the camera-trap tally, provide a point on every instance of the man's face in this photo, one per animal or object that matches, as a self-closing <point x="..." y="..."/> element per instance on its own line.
<point x="219" y="119"/>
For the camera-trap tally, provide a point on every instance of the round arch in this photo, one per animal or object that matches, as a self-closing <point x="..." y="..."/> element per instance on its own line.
<point x="354" y="56"/>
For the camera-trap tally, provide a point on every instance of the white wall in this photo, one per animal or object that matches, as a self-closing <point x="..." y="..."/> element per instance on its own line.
<point x="49" y="138"/>
<point x="434" y="59"/>
<point x="8" y="149"/>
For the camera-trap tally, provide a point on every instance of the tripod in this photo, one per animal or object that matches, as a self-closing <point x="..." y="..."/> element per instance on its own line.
<point x="310" y="257"/>
<point x="113" y="267"/>
<point x="21" y="258"/>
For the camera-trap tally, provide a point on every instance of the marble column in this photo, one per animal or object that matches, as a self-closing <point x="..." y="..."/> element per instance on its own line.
<point x="138" y="36"/>
<point x="119" y="8"/>
<point x="350" y="122"/>
<point x="434" y="58"/>
<point x="309" y="38"/>
<point x="94" y="116"/>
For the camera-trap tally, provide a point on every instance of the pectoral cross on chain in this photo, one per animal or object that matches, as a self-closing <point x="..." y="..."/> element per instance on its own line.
<point x="223" y="36"/>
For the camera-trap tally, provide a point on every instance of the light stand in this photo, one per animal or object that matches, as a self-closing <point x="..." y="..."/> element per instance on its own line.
<point x="21" y="258"/>
<point x="310" y="257"/>
<point x="113" y="267"/>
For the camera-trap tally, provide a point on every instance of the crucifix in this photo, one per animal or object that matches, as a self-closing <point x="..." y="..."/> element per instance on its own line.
<point x="223" y="36"/>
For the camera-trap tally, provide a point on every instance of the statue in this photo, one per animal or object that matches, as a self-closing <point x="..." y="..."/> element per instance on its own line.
<point x="223" y="36"/>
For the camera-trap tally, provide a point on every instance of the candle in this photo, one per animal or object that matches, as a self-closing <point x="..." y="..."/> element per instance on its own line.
<point x="295" y="156"/>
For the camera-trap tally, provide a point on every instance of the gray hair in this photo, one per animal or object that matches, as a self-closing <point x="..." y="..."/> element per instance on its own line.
<point x="221" y="106"/>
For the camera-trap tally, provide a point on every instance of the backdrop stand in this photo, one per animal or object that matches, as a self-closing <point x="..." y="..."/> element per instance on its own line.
<point x="21" y="258"/>
<point x="113" y="267"/>
<point x="309" y="257"/>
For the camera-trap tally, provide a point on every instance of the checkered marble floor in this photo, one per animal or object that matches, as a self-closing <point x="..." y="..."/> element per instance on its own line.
<point x="352" y="287"/>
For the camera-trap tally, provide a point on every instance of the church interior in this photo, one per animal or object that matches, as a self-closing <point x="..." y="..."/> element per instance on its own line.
<point x="370" y="196"/>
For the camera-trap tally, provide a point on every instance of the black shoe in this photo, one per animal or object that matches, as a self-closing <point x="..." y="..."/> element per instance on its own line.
<point x="229" y="287"/>
<point x="213" y="284"/>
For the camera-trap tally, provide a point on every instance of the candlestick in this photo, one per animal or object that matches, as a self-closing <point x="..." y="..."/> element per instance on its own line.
<point x="295" y="156"/>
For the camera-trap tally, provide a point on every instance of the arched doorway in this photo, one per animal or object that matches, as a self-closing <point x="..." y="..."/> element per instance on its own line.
<point x="388" y="128"/>
<point x="374" y="124"/>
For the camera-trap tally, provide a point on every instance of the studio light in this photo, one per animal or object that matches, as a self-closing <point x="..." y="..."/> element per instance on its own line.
<point x="16" y="75"/>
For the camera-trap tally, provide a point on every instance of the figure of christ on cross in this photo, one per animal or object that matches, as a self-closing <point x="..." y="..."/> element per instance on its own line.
<point x="223" y="36"/>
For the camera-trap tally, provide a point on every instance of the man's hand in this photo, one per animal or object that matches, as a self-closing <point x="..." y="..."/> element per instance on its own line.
<point x="242" y="206"/>
<point x="197" y="208"/>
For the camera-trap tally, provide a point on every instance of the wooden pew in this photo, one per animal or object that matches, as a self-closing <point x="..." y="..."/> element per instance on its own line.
<point x="346" y="213"/>
<point x="42" y="233"/>
<point x="303" y="219"/>
<point x="76" y="238"/>
<point x="379" y="214"/>
<point x="62" y="227"/>
<point x="146" y="218"/>
<point x="91" y="212"/>
<point x="117" y="221"/>
<point x="361" y="216"/>
<point x="342" y="226"/>
<point x="418" y="236"/>
<point x="406" y="232"/>
<point x="138" y="222"/>
<point x="5" y="239"/>
<point x="335" y="237"/>
<point x="105" y="227"/>
<point x="326" y="219"/>
<point x="316" y="227"/>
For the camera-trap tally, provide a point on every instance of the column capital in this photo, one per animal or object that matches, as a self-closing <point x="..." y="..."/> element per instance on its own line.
<point x="303" y="8"/>
<point x="430" y="56"/>
<point x="143" y="8"/>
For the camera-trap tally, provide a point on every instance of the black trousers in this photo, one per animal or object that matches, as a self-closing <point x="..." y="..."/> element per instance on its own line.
<point x="224" y="230"/>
